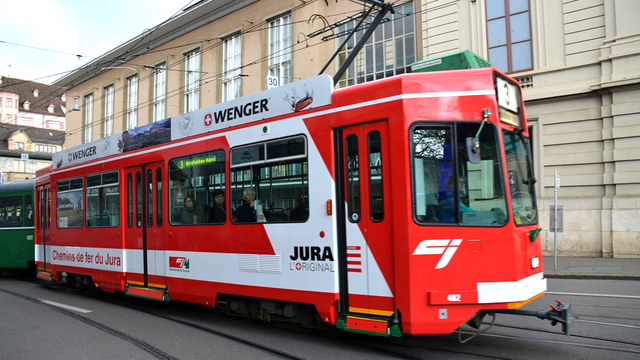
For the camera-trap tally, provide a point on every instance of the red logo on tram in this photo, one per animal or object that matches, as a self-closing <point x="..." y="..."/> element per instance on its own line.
<point x="176" y="262"/>
<point x="208" y="119"/>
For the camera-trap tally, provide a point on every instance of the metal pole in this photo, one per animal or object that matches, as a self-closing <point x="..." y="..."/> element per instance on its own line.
<point x="360" y="44"/>
<point x="364" y="16"/>
<point x="555" y="223"/>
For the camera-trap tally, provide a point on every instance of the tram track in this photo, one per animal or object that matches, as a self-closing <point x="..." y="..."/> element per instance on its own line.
<point x="613" y="348"/>
<point x="141" y="344"/>
<point x="182" y="309"/>
<point x="572" y="335"/>
<point x="438" y="353"/>
<point x="404" y="348"/>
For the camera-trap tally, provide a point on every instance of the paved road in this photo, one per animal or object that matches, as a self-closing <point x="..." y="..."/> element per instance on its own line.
<point x="41" y="321"/>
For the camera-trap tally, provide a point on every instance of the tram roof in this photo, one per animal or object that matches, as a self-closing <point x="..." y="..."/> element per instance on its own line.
<point x="299" y="96"/>
<point x="22" y="185"/>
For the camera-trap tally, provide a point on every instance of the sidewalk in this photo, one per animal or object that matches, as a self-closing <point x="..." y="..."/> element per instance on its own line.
<point x="592" y="268"/>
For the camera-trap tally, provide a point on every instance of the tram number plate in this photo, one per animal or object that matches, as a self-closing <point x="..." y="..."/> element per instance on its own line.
<point x="453" y="297"/>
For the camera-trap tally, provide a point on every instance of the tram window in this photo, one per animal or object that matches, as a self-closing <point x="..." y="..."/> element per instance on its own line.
<point x="448" y="188"/>
<point x="103" y="200"/>
<point x="523" y="198"/>
<point x="69" y="204"/>
<point x="28" y="210"/>
<point x="149" y="198"/>
<point x="48" y="206"/>
<point x="129" y="200"/>
<point x="138" y="199"/>
<point x="40" y="207"/>
<point x="353" y="178"/>
<point x="193" y="181"/>
<point x="376" y="198"/>
<point x="11" y="211"/>
<point x="158" y="197"/>
<point x="270" y="182"/>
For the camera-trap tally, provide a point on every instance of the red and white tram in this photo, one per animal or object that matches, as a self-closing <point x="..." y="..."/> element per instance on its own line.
<point x="400" y="206"/>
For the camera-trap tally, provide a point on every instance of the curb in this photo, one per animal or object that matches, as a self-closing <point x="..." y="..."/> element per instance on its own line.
<point x="591" y="276"/>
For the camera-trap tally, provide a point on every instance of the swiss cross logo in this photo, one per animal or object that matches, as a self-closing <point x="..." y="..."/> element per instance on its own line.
<point x="445" y="247"/>
<point x="177" y="263"/>
<point x="208" y="119"/>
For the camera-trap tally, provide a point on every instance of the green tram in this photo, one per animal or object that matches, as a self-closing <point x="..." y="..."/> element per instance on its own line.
<point x="17" y="223"/>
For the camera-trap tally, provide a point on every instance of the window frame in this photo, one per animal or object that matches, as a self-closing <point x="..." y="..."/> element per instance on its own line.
<point x="88" y="118"/>
<point x="132" y="101"/>
<point x="231" y="79"/>
<point x="264" y="162"/>
<point x="28" y="200"/>
<point x="129" y="200"/>
<point x="100" y="187"/>
<point x="361" y="62"/>
<point x="58" y="191"/>
<point x="508" y="41"/>
<point x="370" y="176"/>
<point x="159" y="108"/>
<point x="171" y="204"/>
<point x="15" y="199"/>
<point x="280" y="62"/>
<point x="453" y="126"/>
<point x="191" y="80"/>
<point x="109" y="94"/>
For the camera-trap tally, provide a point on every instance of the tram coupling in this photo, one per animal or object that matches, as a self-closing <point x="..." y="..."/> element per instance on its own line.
<point x="559" y="313"/>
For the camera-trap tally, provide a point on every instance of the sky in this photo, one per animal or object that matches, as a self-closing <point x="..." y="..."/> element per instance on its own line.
<point x="39" y="39"/>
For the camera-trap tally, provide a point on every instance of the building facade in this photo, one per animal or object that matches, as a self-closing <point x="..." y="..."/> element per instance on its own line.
<point x="32" y="104"/>
<point x="37" y="144"/>
<point x="32" y="123"/>
<point x="577" y="62"/>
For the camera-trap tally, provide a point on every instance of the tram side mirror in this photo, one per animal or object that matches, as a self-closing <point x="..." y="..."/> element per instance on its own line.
<point x="473" y="150"/>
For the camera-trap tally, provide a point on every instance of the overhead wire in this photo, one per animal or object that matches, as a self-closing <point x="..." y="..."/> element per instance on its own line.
<point x="179" y="91"/>
<point x="17" y="116"/>
<point x="49" y="50"/>
<point x="255" y="27"/>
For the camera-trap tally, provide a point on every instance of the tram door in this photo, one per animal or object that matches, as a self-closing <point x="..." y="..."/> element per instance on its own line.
<point x="43" y="232"/>
<point x="365" y="220"/>
<point x="144" y="231"/>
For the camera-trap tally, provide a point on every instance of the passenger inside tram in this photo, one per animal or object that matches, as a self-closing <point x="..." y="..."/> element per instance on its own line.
<point x="250" y="210"/>
<point x="191" y="213"/>
<point x="217" y="212"/>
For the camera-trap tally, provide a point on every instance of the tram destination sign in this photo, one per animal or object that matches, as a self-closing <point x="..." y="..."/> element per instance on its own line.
<point x="286" y="99"/>
<point x="508" y="101"/>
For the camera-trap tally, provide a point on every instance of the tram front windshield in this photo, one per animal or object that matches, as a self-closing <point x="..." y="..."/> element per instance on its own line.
<point x="448" y="189"/>
<point x="523" y="199"/>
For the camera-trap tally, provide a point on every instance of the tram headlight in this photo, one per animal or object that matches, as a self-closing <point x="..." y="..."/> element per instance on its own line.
<point x="535" y="262"/>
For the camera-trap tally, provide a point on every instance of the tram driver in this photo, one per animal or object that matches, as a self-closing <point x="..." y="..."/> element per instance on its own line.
<point x="446" y="199"/>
